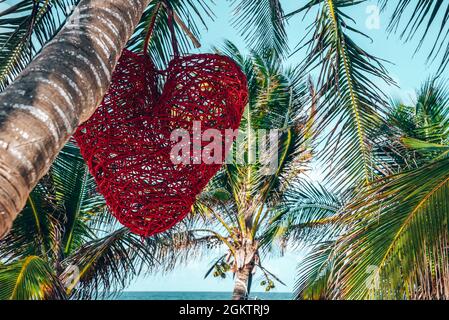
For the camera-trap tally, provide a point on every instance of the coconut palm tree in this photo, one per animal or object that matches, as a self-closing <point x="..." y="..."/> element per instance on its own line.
<point x="350" y="104"/>
<point x="245" y="208"/>
<point x="350" y="112"/>
<point x="62" y="68"/>
<point x="32" y="24"/>
<point x="64" y="245"/>
<point x="421" y="19"/>
<point x="62" y="85"/>
<point x="395" y="242"/>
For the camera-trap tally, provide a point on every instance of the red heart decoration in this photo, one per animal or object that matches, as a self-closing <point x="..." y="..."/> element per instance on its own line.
<point x="127" y="146"/>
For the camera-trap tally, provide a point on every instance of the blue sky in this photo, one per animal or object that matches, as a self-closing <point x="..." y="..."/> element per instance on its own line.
<point x="407" y="69"/>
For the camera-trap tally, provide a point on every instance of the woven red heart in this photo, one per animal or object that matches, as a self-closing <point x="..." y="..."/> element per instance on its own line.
<point x="127" y="146"/>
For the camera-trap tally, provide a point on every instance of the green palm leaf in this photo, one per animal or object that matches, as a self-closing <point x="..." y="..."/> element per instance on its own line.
<point x="262" y="24"/>
<point x="26" y="26"/>
<point x="76" y="194"/>
<point x="306" y="216"/>
<point x="29" y="279"/>
<point x="190" y="15"/>
<point x="106" y="265"/>
<point x="314" y="274"/>
<point x="413" y="134"/>
<point x="350" y="100"/>
<point x="400" y="231"/>
<point x="37" y="229"/>
<point x="423" y="17"/>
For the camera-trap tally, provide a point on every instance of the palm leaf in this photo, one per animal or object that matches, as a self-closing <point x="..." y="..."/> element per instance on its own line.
<point x="350" y="100"/>
<point x="106" y="265"/>
<point x="314" y="274"/>
<point x="189" y="16"/>
<point x="307" y="215"/>
<point x="183" y="245"/>
<point x="424" y="18"/>
<point x="29" y="279"/>
<point x="401" y="231"/>
<point x="262" y="24"/>
<point x="413" y="134"/>
<point x="36" y="230"/>
<point x="76" y="194"/>
<point x="26" y="26"/>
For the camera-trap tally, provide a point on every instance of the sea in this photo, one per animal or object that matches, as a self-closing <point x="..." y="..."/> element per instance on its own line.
<point x="174" y="295"/>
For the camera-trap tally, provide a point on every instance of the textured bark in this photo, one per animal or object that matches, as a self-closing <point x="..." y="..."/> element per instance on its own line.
<point x="246" y="261"/>
<point x="242" y="282"/>
<point x="60" y="89"/>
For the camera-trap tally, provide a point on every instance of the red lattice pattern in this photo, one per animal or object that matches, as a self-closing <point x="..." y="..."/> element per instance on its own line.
<point x="126" y="143"/>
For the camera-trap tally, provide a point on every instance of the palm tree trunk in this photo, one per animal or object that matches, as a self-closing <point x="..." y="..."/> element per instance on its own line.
<point x="59" y="90"/>
<point x="242" y="283"/>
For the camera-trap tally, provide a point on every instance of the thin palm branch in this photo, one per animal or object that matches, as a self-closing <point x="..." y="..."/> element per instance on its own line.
<point x="350" y="100"/>
<point x="26" y="26"/>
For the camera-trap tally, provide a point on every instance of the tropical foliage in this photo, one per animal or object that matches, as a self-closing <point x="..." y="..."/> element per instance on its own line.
<point x="64" y="245"/>
<point x="378" y="227"/>
<point x="26" y="26"/>
<point x="387" y="240"/>
<point x="247" y="208"/>
<point x="392" y="240"/>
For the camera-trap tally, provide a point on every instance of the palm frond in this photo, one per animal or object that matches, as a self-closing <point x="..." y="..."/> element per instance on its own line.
<point x="308" y="214"/>
<point x="190" y="15"/>
<point x="424" y="18"/>
<point x="350" y="100"/>
<point x="36" y="230"/>
<point x="183" y="245"/>
<point x="76" y="193"/>
<point x="262" y="24"/>
<point x="401" y="233"/>
<point x="106" y="265"/>
<point x="314" y="274"/>
<point x="29" y="279"/>
<point x="26" y="26"/>
<point x="411" y="135"/>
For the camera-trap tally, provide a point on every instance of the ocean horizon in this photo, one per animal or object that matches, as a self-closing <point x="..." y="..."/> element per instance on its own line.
<point x="196" y="295"/>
